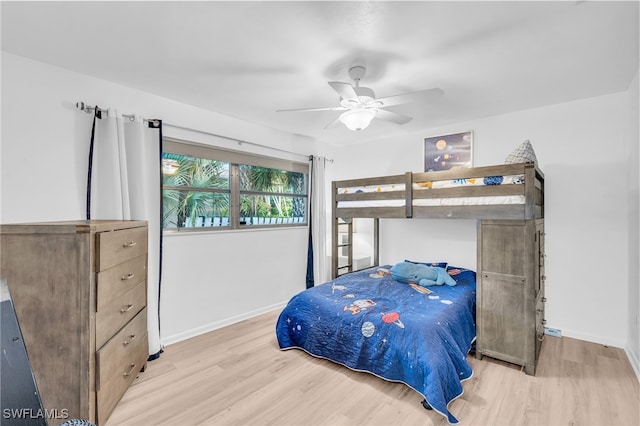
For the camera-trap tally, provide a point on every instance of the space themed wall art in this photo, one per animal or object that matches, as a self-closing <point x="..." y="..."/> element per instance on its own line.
<point x="448" y="151"/>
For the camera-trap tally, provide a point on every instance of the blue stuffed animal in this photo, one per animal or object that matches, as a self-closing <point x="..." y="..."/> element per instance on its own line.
<point x="422" y="275"/>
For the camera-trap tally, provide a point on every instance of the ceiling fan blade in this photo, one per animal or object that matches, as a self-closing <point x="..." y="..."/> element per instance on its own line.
<point x="422" y="95"/>
<point x="339" y="108"/>
<point x="393" y="117"/>
<point x="332" y="123"/>
<point x="345" y="90"/>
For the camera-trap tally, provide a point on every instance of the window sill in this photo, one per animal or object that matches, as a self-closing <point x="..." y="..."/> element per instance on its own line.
<point x="256" y="228"/>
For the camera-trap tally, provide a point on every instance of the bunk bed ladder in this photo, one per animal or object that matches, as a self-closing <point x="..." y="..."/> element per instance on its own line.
<point x="343" y="228"/>
<point x="342" y="241"/>
<point x="344" y="246"/>
<point x="334" y="232"/>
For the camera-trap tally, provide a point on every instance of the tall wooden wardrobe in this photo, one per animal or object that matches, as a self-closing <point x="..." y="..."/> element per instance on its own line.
<point x="510" y="291"/>
<point x="80" y="290"/>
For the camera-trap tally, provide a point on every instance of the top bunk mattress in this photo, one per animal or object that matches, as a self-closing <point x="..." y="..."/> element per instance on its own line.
<point x="424" y="187"/>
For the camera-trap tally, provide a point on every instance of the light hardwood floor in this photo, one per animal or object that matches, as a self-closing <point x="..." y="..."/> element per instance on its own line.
<point x="238" y="376"/>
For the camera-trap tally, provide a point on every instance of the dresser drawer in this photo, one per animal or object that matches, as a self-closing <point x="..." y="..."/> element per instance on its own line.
<point x="119" y="246"/>
<point x="118" y="362"/>
<point x="118" y="312"/>
<point x="116" y="281"/>
<point x="117" y="353"/>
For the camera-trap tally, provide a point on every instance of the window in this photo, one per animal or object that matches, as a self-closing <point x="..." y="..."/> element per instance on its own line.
<point x="271" y="196"/>
<point x="211" y="188"/>
<point x="195" y="191"/>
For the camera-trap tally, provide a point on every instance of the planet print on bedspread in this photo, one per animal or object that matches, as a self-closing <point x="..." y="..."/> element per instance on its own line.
<point x="389" y="329"/>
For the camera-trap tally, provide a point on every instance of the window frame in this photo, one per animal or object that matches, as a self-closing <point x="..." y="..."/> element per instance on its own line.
<point x="234" y="159"/>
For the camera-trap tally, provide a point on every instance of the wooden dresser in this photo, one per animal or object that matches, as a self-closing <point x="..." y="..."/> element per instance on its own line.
<point x="80" y="294"/>
<point x="510" y="291"/>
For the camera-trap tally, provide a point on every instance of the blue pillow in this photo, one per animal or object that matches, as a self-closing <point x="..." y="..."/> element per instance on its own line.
<point x="493" y="180"/>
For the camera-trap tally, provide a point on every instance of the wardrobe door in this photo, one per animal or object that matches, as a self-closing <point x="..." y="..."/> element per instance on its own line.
<point x="502" y="313"/>
<point x="507" y="286"/>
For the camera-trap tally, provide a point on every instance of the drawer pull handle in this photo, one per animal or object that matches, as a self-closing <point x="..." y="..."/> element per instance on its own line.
<point x="127" y="277"/>
<point x="129" y="244"/>
<point x="128" y="373"/>
<point x="126" y="308"/>
<point x="126" y="342"/>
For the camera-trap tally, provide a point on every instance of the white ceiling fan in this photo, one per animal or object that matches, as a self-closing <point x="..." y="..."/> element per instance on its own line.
<point x="360" y="105"/>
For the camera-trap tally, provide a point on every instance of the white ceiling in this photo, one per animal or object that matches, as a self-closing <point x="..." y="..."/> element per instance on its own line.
<point x="249" y="59"/>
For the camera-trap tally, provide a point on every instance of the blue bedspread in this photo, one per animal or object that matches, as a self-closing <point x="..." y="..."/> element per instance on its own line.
<point x="390" y="329"/>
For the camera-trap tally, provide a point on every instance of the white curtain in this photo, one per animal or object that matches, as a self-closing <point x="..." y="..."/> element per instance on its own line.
<point x="125" y="185"/>
<point x="319" y="220"/>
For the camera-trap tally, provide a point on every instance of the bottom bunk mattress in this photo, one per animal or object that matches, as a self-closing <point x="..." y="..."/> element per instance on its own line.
<point x="400" y="332"/>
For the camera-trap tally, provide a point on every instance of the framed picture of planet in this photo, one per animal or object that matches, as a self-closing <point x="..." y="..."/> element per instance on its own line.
<point x="448" y="151"/>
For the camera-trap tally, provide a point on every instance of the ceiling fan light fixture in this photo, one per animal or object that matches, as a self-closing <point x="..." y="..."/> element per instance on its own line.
<point x="360" y="105"/>
<point x="357" y="119"/>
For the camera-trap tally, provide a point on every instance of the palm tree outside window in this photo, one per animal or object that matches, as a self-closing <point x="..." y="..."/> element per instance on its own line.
<point x="208" y="194"/>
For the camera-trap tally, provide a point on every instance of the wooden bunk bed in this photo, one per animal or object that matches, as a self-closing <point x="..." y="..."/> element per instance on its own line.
<point x="369" y="321"/>
<point x="508" y="202"/>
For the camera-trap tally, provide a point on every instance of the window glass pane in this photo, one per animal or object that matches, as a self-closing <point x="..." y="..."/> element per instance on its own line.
<point x="189" y="209"/>
<point x="182" y="170"/>
<point x="271" y="209"/>
<point x="263" y="179"/>
<point x="297" y="183"/>
<point x="206" y="188"/>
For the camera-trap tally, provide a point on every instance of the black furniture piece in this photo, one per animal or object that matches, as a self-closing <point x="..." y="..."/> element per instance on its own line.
<point x="20" y="399"/>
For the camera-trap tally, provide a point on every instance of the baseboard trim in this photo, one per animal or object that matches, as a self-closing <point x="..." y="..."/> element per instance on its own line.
<point x="593" y="338"/>
<point x="179" y="337"/>
<point x="633" y="360"/>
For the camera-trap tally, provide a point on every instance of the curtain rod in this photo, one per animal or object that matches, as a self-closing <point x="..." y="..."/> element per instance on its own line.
<point x="89" y="109"/>
<point x="238" y="141"/>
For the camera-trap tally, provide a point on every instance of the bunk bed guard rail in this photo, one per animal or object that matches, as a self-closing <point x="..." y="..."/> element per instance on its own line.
<point x="506" y="191"/>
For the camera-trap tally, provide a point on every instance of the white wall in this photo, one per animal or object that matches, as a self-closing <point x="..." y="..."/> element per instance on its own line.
<point x="633" y="347"/>
<point x="208" y="279"/>
<point x="582" y="149"/>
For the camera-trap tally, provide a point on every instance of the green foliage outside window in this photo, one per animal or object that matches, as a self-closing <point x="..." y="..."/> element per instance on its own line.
<point x="197" y="193"/>
<point x="184" y="197"/>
